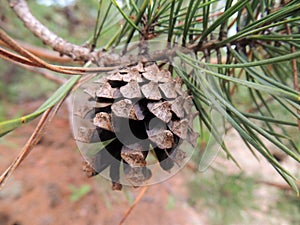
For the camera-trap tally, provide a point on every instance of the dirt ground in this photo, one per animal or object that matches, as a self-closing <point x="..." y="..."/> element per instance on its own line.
<point x="40" y="191"/>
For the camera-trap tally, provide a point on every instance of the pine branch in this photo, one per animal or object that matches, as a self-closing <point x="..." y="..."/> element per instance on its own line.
<point x="49" y="38"/>
<point x="46" y="54"/>
<point x="30" y="59"/>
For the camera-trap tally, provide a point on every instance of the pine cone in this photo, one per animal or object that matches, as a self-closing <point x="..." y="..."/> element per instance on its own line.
<point x="137" y="108"/>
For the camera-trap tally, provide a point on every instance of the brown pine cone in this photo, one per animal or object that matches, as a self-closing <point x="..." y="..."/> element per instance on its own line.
<point x="137" y="109"/>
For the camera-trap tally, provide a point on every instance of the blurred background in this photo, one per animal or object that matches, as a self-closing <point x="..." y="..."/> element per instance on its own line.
<point x="50" y="187"/>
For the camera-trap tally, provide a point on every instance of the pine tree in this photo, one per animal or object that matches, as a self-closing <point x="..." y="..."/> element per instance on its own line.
<point x="224" y="52"/>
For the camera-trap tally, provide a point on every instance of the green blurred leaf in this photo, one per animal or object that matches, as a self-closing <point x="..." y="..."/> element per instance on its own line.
<point x="9" y="125"/>
<point x="78" y="193"/>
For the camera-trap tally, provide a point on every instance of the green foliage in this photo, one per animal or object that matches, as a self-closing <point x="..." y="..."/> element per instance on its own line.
<point x="20" y="85"/>
<point x="2" y="112"/>
<point x="287" y="206"/>
<point x="224" y="197"/>
<point x="78" y="193"/>
<point x="237" y="199"/>
<point x="9" y="125"/>
<point x="171" y="203"/>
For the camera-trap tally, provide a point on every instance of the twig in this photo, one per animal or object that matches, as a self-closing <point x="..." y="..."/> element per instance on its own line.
<point x="32" y="60"/>
<point x="80" y="53"/>
<point x="15" y="58"/>
<point x="43" y="53"/>
<point x="25" y="63"/>
<point x="32" y="141"/>
<point x="281" y="186"/>
<point x="136" y="201"/>
<point x="76" y="52"/>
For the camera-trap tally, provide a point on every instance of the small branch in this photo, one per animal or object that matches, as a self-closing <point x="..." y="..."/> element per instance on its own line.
<point x="79" y="53"/>
<point x="15" y="58"/>
<point x="42" y="52"/>
<point x="23" y="62"/>
<point x="49" y="38"/>
<point x="136" y="201"/>
<point x="33" y="140"/>
<point x="30" y="57"/>
<point x="281" y="186"/>
<point x="36" y="136"/>
<point x="32" y="60"/>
